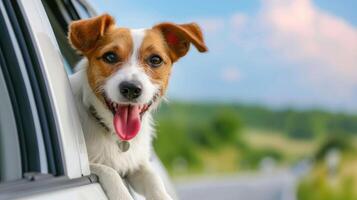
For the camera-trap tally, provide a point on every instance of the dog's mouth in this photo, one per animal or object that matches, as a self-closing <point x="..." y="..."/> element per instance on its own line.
<point x="127" y="117"/>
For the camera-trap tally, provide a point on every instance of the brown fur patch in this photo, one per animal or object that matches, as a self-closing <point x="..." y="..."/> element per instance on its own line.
<point x="154" y="43"/>
<point x="179" y="37"/>
<point x="118" y="41"/>
<point x="84" y="34"/>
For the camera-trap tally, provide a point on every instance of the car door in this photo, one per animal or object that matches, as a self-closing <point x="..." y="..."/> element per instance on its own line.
<point x="42" y="149"/>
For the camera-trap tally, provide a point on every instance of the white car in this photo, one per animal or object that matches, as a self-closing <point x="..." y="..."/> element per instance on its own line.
<point x="42" y="149"/>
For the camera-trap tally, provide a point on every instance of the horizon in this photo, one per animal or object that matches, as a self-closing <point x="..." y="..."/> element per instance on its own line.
<point x="262" y="105"/>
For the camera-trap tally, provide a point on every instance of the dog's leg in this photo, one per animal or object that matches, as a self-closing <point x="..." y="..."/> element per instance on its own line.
<point x="111" y="182"/>
<point x="146" y="182"/>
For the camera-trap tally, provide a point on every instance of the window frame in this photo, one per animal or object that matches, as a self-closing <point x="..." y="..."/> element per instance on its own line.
<point x="21" y="95"/>
<point x="10" y="154"/>
<point x="39" y="138"/>
<point x="61" y="13"/>
<point x="49" y="130"/>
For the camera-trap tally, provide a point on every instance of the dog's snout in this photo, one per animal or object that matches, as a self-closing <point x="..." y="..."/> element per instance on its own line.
<point x="130" y="90"/>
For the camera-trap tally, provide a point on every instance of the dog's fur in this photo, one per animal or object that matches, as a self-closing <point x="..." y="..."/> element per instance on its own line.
<point x="96" y="80"/>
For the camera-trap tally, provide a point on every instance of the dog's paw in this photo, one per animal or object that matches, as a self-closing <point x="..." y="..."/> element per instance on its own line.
<point x="111" y="182"/>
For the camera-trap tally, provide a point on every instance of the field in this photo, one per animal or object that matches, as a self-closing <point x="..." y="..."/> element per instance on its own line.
<point x="321" y="184"/>
<point x="198" y="139"/>
<point x="291" y="149"/>
<point x="233" y="157"/>
<point x="194" y="136"/>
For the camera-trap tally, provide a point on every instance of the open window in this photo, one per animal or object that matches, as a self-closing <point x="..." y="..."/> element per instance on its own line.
<point x="26" y="109"/>
<point x="60" y="14"/>
<point x="31" y="155"/>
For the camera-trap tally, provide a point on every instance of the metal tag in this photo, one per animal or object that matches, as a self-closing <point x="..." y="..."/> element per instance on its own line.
<point x="123" y="145"/>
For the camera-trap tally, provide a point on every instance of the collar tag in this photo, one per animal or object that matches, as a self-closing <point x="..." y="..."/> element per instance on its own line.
<point x="123" y="145"/>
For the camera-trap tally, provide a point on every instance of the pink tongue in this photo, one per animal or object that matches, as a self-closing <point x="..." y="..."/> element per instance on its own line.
<point x="127" y="122"/>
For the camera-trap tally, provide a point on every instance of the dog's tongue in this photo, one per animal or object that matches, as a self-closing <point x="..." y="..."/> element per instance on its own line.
<point x="127" y="121"/>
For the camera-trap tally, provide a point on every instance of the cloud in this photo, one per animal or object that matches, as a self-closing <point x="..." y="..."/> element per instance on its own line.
<point x="319" y="46"/>
<point x="301" y="32"/>
<point x="211" y="25"/>
<point x="230" y="74"/>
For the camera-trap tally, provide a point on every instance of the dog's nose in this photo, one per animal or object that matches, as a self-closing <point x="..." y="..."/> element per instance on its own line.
<point x="130" y="90"/>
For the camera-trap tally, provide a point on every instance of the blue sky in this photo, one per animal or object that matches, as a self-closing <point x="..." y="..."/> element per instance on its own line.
<point x="299" y="53"/>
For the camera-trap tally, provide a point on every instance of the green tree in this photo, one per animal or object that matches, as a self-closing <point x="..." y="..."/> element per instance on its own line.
<point x="300" y="126"/>
<point x="226" y="126"/>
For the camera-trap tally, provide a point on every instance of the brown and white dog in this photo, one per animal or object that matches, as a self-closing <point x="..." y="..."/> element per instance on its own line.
<point x="123" y="77"/>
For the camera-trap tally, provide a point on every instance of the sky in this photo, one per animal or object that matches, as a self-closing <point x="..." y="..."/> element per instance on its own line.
<point x="280" y="53"/>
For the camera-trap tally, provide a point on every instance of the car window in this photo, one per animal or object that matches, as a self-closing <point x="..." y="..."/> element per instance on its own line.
<point x="10" y="159"/>
<point x="19" y="125"/>
<point x="82" y="8"/>
<point x="31" y="152"/>
<point x="60" y="15"/>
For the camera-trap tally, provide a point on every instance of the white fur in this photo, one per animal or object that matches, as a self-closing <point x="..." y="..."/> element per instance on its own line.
<point x="103" y="150"/>
<point x="131" y="71"/>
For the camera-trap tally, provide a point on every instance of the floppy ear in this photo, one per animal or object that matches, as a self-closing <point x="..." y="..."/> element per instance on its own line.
<point x="84" y="34"/>
<point x="180" y="36"/>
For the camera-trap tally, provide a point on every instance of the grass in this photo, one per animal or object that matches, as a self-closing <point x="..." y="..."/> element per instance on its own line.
<point x="221" y="161"/>
<point x="255" y="145"/>
<point x="324" y="184"/>
<point x="213" y="163"/>
<point x="319" y="185"/>
<point x="291" y="149"/>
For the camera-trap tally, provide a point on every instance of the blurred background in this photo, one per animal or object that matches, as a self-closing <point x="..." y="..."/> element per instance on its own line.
<point x="270" y="112"/>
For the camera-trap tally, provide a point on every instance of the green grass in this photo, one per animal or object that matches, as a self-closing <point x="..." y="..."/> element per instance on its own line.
<point x="232" y="158"/>
<point x="319" y="185"/>
<point x="291" y="149"/>
<point x="322" y="184"/>
<point x="206" y="138"/>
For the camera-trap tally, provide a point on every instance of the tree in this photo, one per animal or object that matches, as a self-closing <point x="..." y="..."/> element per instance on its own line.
<point x="301" y="126"/>
<point x="226" y="125"/>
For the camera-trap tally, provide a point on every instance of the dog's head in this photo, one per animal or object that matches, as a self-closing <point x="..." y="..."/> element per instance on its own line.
<point x="129" y="69"/>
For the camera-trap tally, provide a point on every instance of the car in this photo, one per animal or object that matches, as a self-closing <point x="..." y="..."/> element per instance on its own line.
<point x="42" y="148"/>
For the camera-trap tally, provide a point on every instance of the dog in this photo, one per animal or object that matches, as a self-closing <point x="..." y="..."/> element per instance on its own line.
<point x="121" y="79"/>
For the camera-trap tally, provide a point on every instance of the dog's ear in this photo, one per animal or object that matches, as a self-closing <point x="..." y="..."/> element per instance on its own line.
<point x="179" y="37"/>
<point x="84" y="34"/>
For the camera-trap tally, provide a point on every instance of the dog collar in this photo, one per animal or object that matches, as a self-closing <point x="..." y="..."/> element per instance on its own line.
<point x="123" y="145"/>
<point x="99" y="119"/>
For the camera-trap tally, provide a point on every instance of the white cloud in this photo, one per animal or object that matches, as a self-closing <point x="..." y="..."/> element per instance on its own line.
<point x="230" y="74"/>
<point x="301" y="32"/>
<point x="322" y="45"/>
<point x="212" y="25"/>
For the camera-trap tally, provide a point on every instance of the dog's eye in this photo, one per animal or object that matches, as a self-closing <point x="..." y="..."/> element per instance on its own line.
<point x="110" y="57"/>
<point x="155" y="61"/>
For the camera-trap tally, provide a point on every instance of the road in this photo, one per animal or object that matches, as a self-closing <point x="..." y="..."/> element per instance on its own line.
<point x="280" y="185"/>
